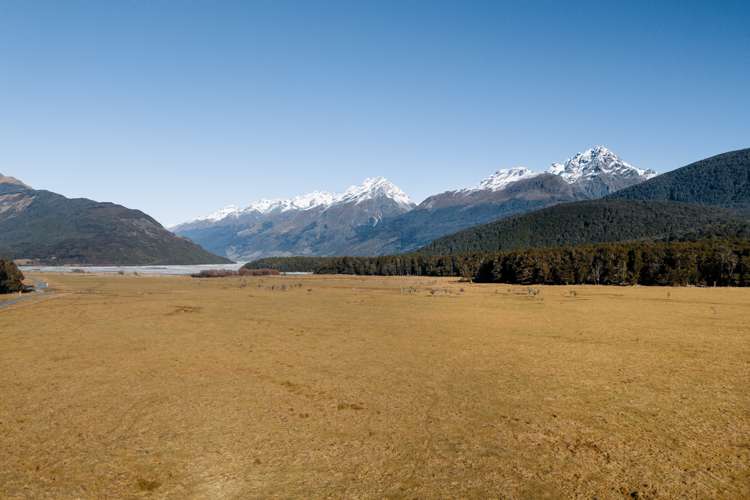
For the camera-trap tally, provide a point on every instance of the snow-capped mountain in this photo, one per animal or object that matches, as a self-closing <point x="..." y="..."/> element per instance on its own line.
<point x="595" y="162"/>
<point x="371" y="189"/>
<point x="502" y="178"/>
<point x="376" y="217"/>
<point x="598" y="172"/>
<point x="303" y="225"/>
<point x="590" y="174"/>
<point x="220" y="214"/>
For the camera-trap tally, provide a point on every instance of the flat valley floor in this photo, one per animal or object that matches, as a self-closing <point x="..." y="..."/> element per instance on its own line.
<point x="352" y="387"/>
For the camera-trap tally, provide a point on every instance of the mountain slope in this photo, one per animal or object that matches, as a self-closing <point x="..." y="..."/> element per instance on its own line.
<point x="318" y="223"/>
<point x="449" y="212"/>
<point x="50" y="228"/>
<point x="598" y="172"/>
<point x="649" y="210"/>
<point x="323" y="223"/>
<point x="586" y="222"/>
<point x="590" y="174"/>
<point x="722" y="180"/>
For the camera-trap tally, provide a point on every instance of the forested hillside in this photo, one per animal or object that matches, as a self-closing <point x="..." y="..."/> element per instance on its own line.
<point x="722" y="180"/>
<point x="588" y="222"/>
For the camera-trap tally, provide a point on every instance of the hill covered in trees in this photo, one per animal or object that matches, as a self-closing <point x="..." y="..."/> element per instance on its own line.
<point x="588" y="222"/>
<point x="722" y="180"/>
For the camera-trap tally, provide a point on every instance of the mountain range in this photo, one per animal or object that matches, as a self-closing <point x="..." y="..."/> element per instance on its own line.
<point x="49" y="228"/>
<point x="318" y="223"/>
<point x="593" y="197"/>
<point x="706" y="199"/>
<point x="377" y="218"/>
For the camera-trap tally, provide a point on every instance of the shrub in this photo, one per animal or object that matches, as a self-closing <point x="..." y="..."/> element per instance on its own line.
<point x="224" y="273"/>
<point x="11" y="278"/>
<point x="258" y="272"/>
<point x="215" y="273"/>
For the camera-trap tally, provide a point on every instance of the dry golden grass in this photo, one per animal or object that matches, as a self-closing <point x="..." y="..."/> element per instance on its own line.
<point x="140" y="387"/>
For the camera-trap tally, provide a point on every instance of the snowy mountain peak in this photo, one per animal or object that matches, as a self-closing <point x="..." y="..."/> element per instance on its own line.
<point x="301" y="202"/>
<point x="372" y="188"/>
<point x="594" y="162"/>
<point x="503" y="177"/>
<point x="220" y="214"/>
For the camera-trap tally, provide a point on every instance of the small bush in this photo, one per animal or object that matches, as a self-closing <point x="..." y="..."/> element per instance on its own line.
<point x="215" y="273"/>
<point x="146" y="485"/>
<point x="224" y="273"/>
<point x="258" y="272"/>
<point x="11" y="278"/>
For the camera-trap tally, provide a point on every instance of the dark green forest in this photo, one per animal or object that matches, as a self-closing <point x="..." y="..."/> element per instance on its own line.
<point x="722" y="180"/>
<point x="700" y="263"/>
<point x="597" y="221"/>
<point x="705" y="263"/>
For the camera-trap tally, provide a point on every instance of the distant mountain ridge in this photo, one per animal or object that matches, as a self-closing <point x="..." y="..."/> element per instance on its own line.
<point x="50" y="228"/>
<point x="318" y="222"/>
<point x="392" y="223"/>
<point x="590" y="174"/>
<point x="370" y="188"/>
<point x="706" y="199"/>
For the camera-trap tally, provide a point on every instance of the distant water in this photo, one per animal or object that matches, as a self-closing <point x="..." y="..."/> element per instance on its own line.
<point x="159" y="270"/>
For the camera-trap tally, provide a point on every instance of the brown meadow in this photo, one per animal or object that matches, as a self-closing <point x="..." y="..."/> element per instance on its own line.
<point x="311" y="386"/>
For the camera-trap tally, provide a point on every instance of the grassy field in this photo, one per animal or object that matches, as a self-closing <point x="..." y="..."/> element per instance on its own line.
<point x="146" y="387"/>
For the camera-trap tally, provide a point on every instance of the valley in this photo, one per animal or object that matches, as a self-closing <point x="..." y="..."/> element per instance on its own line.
<point x="374" y="250"/>
<point x="348" y="386"/>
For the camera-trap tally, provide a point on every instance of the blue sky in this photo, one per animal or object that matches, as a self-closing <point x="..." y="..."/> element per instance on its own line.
<point x="179" y="108"/>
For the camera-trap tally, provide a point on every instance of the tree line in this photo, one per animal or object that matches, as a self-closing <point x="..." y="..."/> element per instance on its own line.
<point x="699" y="263"/>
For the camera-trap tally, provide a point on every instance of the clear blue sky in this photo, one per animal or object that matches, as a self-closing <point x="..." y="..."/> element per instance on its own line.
<point x="181" y="107"/>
